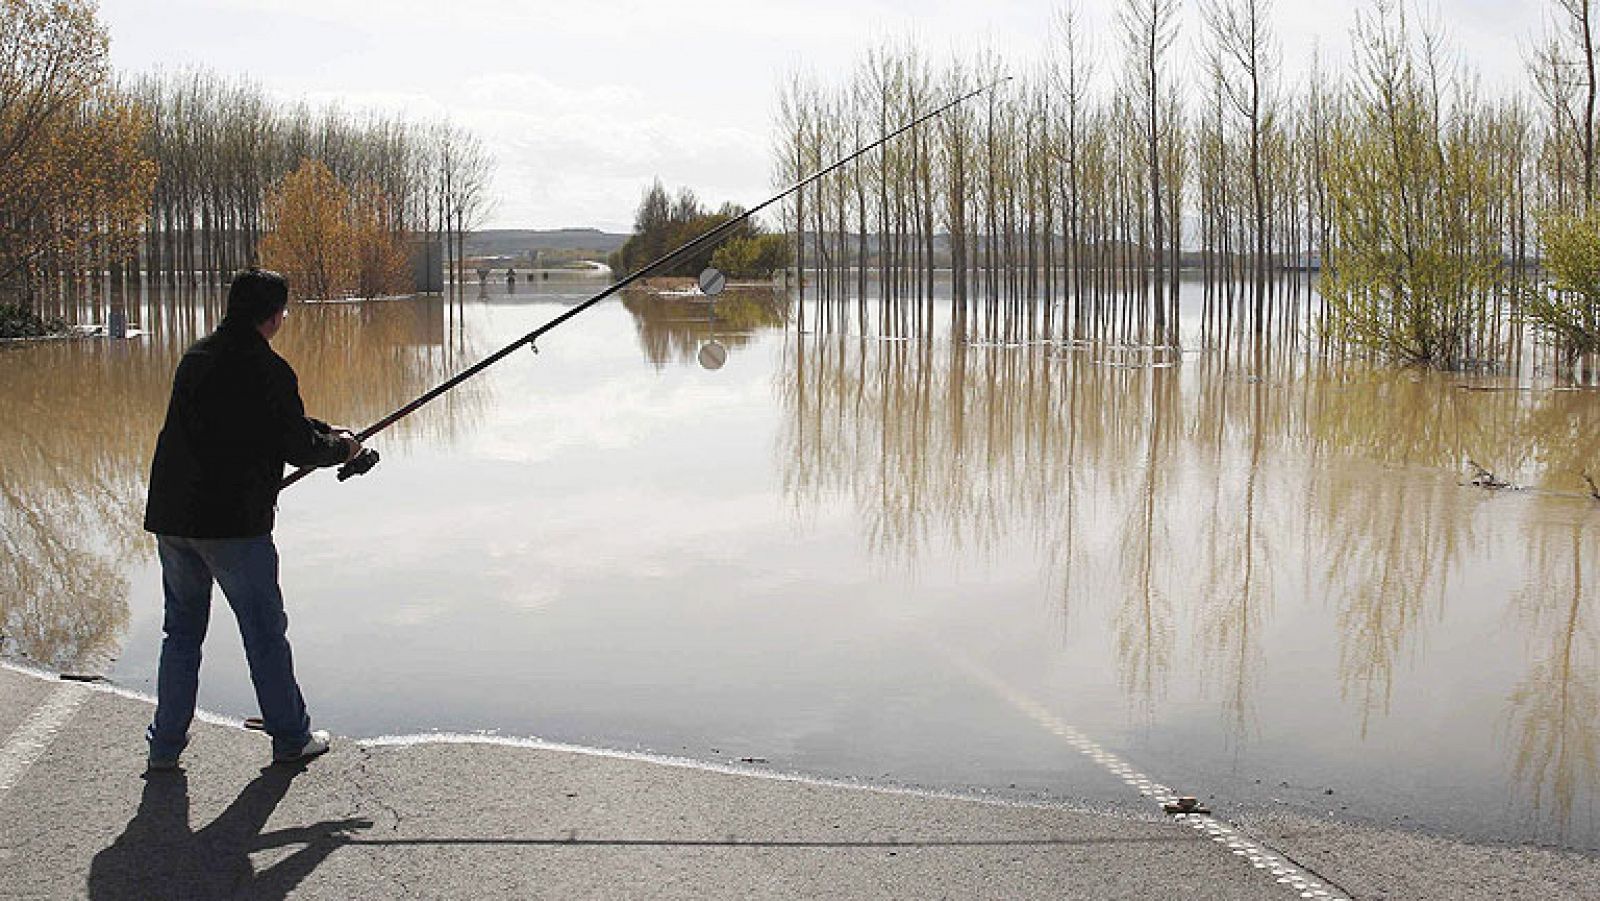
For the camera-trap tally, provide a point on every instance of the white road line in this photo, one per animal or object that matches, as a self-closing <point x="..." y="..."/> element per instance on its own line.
<point x="109" y="688"/>
<point x="234" y="722"/>
<point x="31" y="739"/>
<point x="1258" y="855"/>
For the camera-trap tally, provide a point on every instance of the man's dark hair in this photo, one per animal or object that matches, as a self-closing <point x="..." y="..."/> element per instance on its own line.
<point x="256" y="295"/>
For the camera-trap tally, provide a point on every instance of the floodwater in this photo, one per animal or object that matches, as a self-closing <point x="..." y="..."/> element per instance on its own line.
<point x="1258" y="578"/>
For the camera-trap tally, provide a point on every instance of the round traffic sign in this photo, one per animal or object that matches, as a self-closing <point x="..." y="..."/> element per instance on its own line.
<point x="712" y="281"/>
<point x="713" y="355"/>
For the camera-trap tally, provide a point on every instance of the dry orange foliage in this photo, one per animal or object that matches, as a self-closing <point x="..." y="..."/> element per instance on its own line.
<point x="330" y="241"/>
<point x="74" y="183"/>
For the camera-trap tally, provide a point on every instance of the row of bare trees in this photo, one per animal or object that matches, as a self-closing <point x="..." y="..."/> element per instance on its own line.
<point x="222" y="145"/>
<point x="170" y="175"/>
<point x="1094" y="177"/>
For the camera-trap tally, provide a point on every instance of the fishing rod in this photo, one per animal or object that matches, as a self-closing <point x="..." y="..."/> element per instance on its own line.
<point x="368" y="458"/>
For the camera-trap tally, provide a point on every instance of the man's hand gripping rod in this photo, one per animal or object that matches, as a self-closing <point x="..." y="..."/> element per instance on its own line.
<point x="364" y="462"/>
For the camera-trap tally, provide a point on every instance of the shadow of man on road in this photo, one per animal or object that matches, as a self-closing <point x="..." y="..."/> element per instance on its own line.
<point x="158" y="855"/>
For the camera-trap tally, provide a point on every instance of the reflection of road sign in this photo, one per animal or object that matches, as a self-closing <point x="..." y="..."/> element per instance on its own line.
<point x="713" y="355"/>
<point x="712" y="281"/>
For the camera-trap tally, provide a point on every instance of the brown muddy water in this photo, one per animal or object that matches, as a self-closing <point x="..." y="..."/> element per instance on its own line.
<point x="1259" y="578"/>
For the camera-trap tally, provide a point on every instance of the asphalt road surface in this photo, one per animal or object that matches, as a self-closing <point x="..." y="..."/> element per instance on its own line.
<point x="79" y="817"/>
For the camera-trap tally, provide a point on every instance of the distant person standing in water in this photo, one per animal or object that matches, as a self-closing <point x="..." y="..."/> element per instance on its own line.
<point x="234" y="420"/>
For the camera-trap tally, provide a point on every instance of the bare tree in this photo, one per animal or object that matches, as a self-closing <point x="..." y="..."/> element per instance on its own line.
<point x="1149" y="28"/>
<point x="1247" y="67"/>
<point x="1070" y="74"/>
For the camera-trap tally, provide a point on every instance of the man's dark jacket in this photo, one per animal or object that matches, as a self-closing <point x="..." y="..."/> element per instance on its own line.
<point x="234" y="420"/>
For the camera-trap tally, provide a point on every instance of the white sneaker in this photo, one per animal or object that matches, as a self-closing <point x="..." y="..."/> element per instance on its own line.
<point x="318" y="743"/>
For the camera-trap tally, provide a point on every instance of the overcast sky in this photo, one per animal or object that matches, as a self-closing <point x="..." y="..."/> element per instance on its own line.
<point x="582" y="103"/>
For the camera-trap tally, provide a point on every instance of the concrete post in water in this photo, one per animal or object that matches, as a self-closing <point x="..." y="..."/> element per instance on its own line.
<point x="427" y="265"/>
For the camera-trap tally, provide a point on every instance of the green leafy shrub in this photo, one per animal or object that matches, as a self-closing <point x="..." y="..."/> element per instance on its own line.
<point x="1415" y="252"/>
<point x="752" y="257"/>
<point x="1567" y="307"/>
<point x="17" y="321"/>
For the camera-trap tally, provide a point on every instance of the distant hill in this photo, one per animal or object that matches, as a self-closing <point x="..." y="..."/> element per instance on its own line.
<point x="511" y="242"/>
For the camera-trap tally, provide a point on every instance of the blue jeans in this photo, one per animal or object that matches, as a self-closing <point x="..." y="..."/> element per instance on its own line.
<point x="247" y="570"/>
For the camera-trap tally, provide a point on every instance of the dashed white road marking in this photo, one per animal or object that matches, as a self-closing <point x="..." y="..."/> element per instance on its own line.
<point x="31" y="739"/>
<point x="1258" y="855"/>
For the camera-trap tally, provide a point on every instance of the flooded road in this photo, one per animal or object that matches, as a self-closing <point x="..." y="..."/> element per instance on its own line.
<point x="1258" y="576"/>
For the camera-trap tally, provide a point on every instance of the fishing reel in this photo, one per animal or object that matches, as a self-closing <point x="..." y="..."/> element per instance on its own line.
<point x="359" y="465"/>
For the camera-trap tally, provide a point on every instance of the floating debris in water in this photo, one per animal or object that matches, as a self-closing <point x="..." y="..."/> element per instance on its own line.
<point x="1483" y="478"/>
<point x="1544" y="389"/>
<point x="1114" y="364"/>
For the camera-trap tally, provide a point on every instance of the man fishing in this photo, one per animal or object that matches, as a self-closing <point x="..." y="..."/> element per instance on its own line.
<point x="234" y="420"/>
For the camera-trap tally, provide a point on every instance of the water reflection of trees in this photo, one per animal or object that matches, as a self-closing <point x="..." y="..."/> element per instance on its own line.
<point x="1196" y="494"/>
<point x="1538" y="438"/>
<point x="1554" y="712"/>
<point x="672" y="329"/>
<point x="966" y="444"/>
<point x="1144" y="620"/>
<point x="1388" y="553"/>
<point x="359" y="362"/>
<point x="76" y="420"/>
<point x="1235" y="597"/>
<point x="81" y="420"/>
